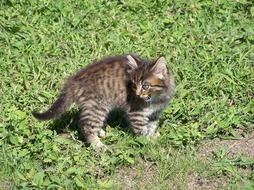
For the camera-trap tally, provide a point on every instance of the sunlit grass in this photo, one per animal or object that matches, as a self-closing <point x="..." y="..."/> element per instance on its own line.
<point x="208" y="44"/>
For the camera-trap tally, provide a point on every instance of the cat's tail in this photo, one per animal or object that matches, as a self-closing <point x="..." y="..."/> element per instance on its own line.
<point x="58" y="107"/>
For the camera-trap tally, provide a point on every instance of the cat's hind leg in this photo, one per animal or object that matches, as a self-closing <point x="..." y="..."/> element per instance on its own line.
<point x="91" y="122"/>
<point x="102" y="133"/>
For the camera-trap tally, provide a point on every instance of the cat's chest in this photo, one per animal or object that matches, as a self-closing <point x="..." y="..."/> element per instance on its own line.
<point x="150" y="110"/>
<point x="153" y="109"/>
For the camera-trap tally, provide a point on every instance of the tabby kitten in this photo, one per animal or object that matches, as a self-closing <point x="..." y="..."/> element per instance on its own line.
<point x="142" y="88"/>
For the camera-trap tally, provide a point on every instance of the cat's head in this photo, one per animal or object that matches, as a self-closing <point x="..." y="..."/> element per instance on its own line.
<point x="149" y="79"/>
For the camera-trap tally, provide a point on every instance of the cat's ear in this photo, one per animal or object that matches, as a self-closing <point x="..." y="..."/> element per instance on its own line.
<point x="160" y="69"/>
<point x="131" y="62"/>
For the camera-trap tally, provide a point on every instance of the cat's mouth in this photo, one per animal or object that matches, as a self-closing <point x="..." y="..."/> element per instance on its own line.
<point x="147" y="98"/>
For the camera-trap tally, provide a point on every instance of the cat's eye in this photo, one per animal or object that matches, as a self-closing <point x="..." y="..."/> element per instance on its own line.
<point x="145" y="86"/>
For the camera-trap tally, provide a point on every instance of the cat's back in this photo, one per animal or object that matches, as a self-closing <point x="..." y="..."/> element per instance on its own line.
<point x="106" y="80"/>
<point x="105" y="68"/>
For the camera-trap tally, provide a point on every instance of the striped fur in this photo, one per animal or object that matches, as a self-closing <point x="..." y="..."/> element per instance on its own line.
<point x="142" y="88"/>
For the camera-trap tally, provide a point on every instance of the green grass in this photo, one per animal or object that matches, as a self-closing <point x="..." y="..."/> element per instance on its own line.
<point x="208" y="44"/>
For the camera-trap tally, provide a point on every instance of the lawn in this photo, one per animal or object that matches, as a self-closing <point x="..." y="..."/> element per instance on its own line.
<point x="206" y="132"/>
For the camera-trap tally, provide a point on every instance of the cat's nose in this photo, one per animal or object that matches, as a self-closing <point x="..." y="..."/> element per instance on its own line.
<point x="138" y="92"/>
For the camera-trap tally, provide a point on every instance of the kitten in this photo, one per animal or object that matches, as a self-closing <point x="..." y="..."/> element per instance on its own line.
<point x="142" y="88"/>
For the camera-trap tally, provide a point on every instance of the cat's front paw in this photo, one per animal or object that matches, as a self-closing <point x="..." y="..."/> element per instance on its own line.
<point x="153" y="136"/>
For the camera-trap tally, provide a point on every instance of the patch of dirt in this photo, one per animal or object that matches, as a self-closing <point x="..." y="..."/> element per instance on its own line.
<point x="5" y="185"/>
<point x="243" y="145"/>
<point x="198" y="182"/>
<point x="146" y="175"/>
<point x="135" y="178"/>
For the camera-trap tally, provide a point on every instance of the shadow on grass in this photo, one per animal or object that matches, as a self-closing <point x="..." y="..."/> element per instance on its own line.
<point x="69" y="121"/>
<point x="117" y="118"/>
